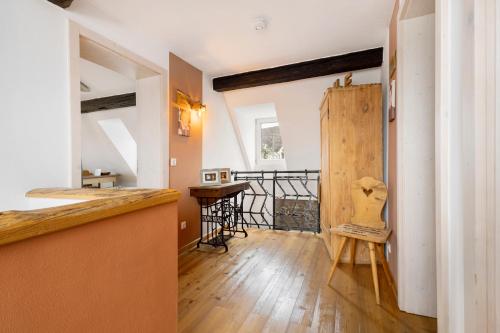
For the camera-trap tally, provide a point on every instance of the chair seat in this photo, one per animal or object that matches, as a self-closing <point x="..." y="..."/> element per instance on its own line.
<point x="361" y="232"/>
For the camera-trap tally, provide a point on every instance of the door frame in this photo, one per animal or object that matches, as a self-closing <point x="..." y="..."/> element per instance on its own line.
<point x="151" y="80"/>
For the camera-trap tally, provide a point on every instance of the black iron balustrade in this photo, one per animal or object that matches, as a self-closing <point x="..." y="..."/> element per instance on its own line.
<point x="282" y="200"/>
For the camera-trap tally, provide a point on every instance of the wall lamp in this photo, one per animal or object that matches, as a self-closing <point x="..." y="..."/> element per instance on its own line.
<point x="187" y="107"/>
<point x="184" y="102"/>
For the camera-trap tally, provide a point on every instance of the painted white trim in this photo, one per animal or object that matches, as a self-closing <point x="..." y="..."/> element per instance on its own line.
<point x="443" y="102"/>
<point x="484" y="317"/>
<point x="480" y="316"/>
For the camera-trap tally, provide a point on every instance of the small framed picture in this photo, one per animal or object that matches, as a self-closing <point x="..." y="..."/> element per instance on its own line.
<point x="210" y="177"/>
<point x="225" y="175"/>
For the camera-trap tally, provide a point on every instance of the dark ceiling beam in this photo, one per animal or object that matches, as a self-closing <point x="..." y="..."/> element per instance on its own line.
<point x="62" y="3"/>
<point x="303" y="70"/>
<point x="108" y="103"/>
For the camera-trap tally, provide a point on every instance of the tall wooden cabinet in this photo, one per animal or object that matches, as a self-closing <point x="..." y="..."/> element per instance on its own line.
<point x="351" y="148"/>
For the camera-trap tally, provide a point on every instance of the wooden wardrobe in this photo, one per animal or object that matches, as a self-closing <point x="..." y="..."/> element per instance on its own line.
<point x="351" y="148"/>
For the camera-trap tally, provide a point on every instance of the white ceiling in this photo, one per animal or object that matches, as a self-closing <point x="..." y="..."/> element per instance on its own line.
<point x="102" y="81"/>
<point x="218" y="37"/>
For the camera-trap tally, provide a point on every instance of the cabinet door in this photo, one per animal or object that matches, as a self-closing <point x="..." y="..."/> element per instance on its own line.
<point x="356" y="151"/>
<point x="325" y="180"/>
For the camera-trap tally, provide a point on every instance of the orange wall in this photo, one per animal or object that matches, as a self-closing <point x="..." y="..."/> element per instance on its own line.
<point x="114" y="275"/>
<point x="392" y="151"/>
<point x="187" y="150"/>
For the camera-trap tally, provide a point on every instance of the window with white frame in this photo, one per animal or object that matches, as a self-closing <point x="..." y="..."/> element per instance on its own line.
<point x="269" y="146"/>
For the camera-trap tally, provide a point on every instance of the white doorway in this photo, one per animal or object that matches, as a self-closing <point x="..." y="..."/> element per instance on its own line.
<point x="129" y="141"/>
<point x="109" y="118"/>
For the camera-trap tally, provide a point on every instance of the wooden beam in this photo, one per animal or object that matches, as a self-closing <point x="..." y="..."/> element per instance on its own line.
<point x="62" y="3"/>
<point x="109" y="103"/>
<point x="302" y="70"/>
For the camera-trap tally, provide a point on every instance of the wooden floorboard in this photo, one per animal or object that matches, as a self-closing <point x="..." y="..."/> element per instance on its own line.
<point x="276" y="281"/>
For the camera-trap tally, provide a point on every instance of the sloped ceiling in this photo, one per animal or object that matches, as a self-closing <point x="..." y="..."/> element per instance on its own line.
<point x="102" y="81"/>
<point x="219" y="38"/>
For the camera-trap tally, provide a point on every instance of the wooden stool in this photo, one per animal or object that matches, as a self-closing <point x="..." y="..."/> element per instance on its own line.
<point x="368" y="196"/>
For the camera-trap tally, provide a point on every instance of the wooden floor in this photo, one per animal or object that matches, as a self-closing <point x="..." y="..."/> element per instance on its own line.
<point x="275" y="281"/>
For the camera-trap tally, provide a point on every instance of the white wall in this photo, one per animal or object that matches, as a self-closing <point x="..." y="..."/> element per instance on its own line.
<point x="103" y="82"/>
<point x="416" y="167"/>
<point x="34" y="116"/>
<point x="98" y="151"/>
<point x="152" y="140"/>
<point x="221" y="145"/>
<point x="106" y="24"/>
<point x="297" y="108"/>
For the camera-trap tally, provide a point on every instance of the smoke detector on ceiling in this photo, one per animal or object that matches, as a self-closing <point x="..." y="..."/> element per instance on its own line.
<point x="260" y="24"/>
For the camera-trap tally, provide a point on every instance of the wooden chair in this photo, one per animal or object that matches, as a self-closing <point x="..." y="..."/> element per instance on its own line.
<point x="368" y="197"/>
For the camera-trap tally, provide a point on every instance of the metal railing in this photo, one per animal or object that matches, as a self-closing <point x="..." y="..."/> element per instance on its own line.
<point x="281" y="200"/>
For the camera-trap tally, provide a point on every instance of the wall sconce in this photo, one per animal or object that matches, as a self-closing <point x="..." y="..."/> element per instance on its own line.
<point x="186" y="107"/>
<point x="198" y="108"/>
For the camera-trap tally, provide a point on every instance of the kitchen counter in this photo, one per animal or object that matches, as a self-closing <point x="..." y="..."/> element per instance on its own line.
<point x="100" y="204"/>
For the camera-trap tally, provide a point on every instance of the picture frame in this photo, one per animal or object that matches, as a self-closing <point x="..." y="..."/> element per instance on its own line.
<point x="210" y="177"/>
<point x="225" y="175"/>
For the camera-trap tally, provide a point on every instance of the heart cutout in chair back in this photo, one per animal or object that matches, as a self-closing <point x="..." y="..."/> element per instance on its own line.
<point x="367" y="191"/>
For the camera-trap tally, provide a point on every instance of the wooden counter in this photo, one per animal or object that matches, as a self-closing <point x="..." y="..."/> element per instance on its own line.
<point x="101" y="204"/>
<point x="219" y="191"/>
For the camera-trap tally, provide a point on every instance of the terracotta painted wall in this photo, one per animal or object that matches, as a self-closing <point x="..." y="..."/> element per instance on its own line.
<point x="114" y="275"/>
<point x="392" y="151"/>
<point x="187" y="150"/>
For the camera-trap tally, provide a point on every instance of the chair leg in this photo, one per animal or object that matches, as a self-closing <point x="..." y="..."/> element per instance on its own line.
<point x="374" y="270"/>
<point x="353" y="251"/>
<point x="337" y="258"/>
<point x="387" y="272"/>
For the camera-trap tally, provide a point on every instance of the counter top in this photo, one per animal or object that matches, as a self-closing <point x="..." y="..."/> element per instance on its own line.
<point x="101" y="204"/>
<point x="219" y="191"/>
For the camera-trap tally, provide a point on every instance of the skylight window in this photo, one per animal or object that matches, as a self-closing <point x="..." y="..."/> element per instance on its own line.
<point x="123" y="141"/>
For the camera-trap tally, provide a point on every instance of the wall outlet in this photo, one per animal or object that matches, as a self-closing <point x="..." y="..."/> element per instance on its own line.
<point x="173" y="161"/>
<point x="183" y="225"/>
